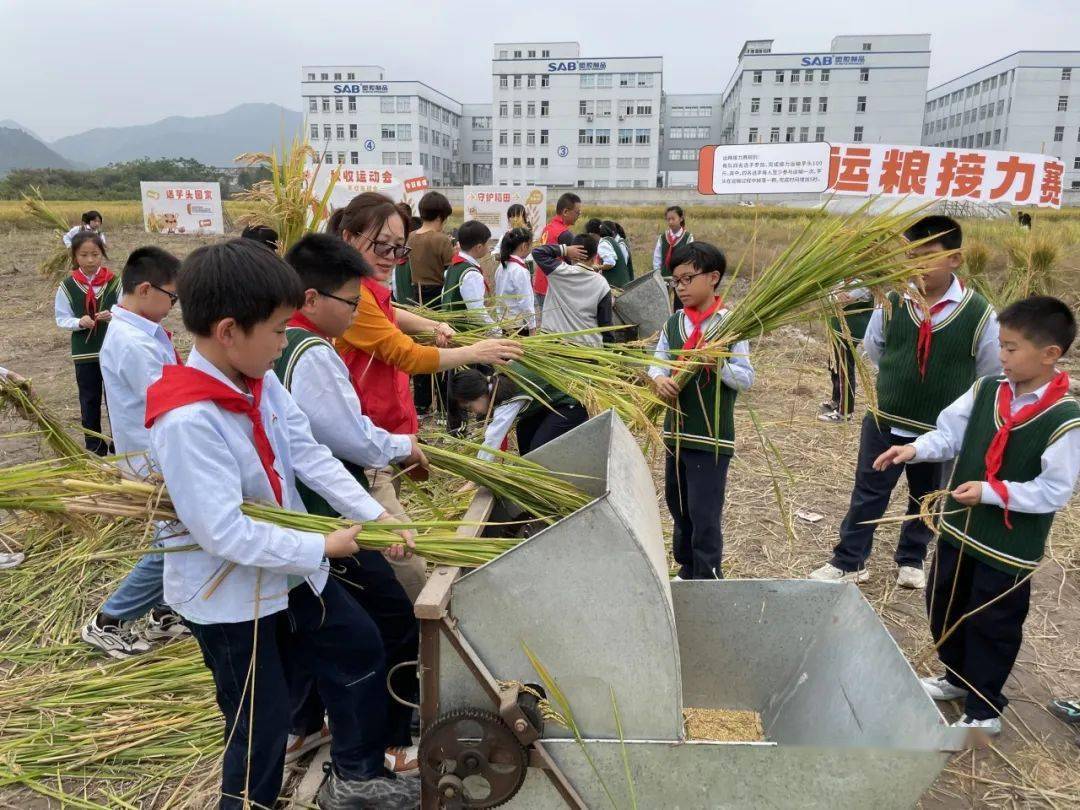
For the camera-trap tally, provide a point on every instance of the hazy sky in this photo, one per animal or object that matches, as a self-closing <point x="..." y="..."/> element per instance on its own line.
<point x="70" y="66"/>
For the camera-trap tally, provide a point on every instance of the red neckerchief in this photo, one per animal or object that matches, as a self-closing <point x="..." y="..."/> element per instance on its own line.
<point x="995" y="453"/>
<point x="698" y="319"/>
<point x="102" y="277"/>
<point x="672" y="240"/>
<point x="926" y="332"/>
<point x="301" y="321"/>
<point x="518" y="260"/>
<point x="183" y="385"/>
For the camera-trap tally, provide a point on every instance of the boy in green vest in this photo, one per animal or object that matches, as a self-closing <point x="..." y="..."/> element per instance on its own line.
<point x="310" y="368"/>
<point x="699" y="429"/>
<point x="928" y="352"/>
<point x="1016" y="441"/>
<point x="83" y="306"/>
<point x="464" y="287"/>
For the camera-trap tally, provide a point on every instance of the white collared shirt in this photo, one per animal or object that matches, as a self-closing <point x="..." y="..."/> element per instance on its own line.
<point x="502" y="419"/>
<point x="79" y="229"/>
<point x="472" y="288"/>
<point x="606" y="251"/>
<point x="321" y="387"/>
<point x="736" y="372"/>
<point x="661" y="247"/>
<point x="986" y="351"/>
<point x="1048" y="492"/>
<point x="65" y="318"/>
<point x="208" y="458"/>
<point x="132" y="355"/>
<point x="514" y="299"/>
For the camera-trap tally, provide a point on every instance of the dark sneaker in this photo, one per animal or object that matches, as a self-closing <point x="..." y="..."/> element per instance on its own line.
<point x="1067" y="710"/>
<point x="113" y="637"/>
<point x="164" y="625"/>
<point x="829" y="405"/>
<point x="386" y="792"/>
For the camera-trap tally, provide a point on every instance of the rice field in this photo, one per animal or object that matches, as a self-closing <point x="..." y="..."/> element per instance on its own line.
<point x="81" y="731"/>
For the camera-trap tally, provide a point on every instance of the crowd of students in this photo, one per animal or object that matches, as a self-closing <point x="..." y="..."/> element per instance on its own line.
<point x="303" y="389"/>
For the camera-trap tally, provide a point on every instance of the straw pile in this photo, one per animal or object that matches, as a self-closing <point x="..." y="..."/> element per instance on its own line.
<point x="723" y="725"/>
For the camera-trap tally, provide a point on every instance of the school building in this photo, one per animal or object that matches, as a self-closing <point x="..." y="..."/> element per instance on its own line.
<point x="1028" y="101"/>
<point x="476" y="144"/>
<point x="688" y="121"/>
<point x="357" y="116"/>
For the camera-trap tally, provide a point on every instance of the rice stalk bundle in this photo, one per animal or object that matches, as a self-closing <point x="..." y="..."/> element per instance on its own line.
<point x="58" y="263"/>
<point x="17" y="397"/>
<point x="72" y="487"/>
<point x="831" y="254"/>
<point x="287" y="201"/>
<point x="1031" y="270"/>
<point x="541" y="493"/>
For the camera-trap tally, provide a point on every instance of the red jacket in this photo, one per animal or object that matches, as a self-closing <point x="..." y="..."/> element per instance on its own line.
<point x="549" y="236"/>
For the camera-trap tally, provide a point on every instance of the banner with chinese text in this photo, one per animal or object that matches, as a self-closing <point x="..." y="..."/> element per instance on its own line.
<point x="489" y="204"/>
<point x="399" y="183"/>
<point x="926" y="172"/>
<point x="190" y="208"/>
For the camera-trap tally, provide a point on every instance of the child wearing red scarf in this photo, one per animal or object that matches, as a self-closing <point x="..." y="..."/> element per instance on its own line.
<point x="699" y="430"/>
<point x="1017" y="448"/>
<point x="82" y="307"/>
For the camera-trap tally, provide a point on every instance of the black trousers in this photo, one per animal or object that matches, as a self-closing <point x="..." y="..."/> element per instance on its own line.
<point x="339" y="642"/>
<point x="981" y="651"/>
<point x="428" y="389"/>
<point x="548" y="424"/>
<point x="870" y="499"/>
<point x="842" y="371"/>
<point x="91" y="392"/>
<point x="368" y="578"/>
<point x="694" y="485"/>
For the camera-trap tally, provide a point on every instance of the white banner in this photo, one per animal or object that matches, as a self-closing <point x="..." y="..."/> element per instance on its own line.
<point x="191" y="208"/>
<point x="489" y="204"/>
<point x="400" y="183"/>
<point x="924" y="172"/>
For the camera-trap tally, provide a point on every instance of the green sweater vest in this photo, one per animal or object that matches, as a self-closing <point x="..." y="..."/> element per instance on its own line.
<point x="980" y="531"/>
<point x="86" y="343"/>
<point x="537" y="394"/>
<point x="297" y="342"/>
<point x="908" y="401"/>
<point x="705" y="419"/>
<point x="665" y="271"/>
<point x="619" y="275"/>
<point x="451" y="292"/>
<point x="402" y="283"/>
<point x="856" y="316"/>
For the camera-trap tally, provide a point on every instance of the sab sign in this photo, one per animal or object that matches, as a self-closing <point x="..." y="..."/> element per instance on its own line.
<point x="364" y="89"/>
<point x="834" y="59"/>
<point x="575" y="65"/>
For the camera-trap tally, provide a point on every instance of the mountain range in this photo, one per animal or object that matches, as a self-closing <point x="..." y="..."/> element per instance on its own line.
<point x="211" y="139"/>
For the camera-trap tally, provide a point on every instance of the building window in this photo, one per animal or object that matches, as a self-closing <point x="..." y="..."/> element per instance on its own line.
<point x="779" y="77"/>
<point x="603" y="136"/>
<point x="644" y="107"/>
<point x="352" y="132"/>
<point x="789" y="135"/>
<point x="603" y="108"/>
<point x="532" y="54"/>
<point x="325" y="104"/>
<point x="860" y="104"/>
<point x="517" y="109"/>
<point x="517" y="81"/>
<point x="314" y="132"/>
<point x="339" y="104"/>
<point x="804" y="134"/>
<point x="504" y="54"/>
<point x="517" y="137"/>
<point x="626" y="136"/>
<point x="352" y="77"/>
<point x="864" y="74"/>
<point x="517" y="54"/>
<point x="866" y="46"/>
<point x="530" y="138"/>
<point x="326" y="132"/>
<point x="1066" y="74"/>
<point x="825" y="75"/>
<point x="777" y="104"/>
<point x="340" y="132"/>
<point x="530" y="109"/>
<point x="1076" y="163"/>
<point x="403" y="104"/>
<point x="823" y="104"/>
<point x="774" y="135"/>
<point x="389" y="158"/>
<point x="517" y="161"/>
<point x="793" y="104"/>
<point x="755" y="105"/>
<point x="313" y="104"/>
<point x="584" y="136"/>
<point x="623" y="163"/>
<point x="587" y="80"/>
<point x="502" y="162"/>
<point x="543" y="109"/>
<point x="503" y="134"/>
<point x="504" y="81"/>
<point x="642" y="136"/>
<point x="504" y="109"/>
<point x="600" y="163"/>
<point x="545" y="81"/>
<point x="543" y="162"/>
<point x="752" y="137"/>
<point x="858" y="135"/>
<point x="352" y="103"/>
<point x="324" y="76"/>
<point x="328" y="158"/>
<point x="795" y="74"/>
<point x="674" y="154"/>
<point x="354" y="158"/>
<point x="757" y="77"/>
<point x="531" y="83"/>
<point x="404" y="133"/>
<point x="819" y="134"/>
<point x="543" y="136"/>
<point x="545" y="53"/>
<point x="386" y="104"/>
<point x="1059" y="134"/>
<point x="644" y="80"/>
<point x="808" y="75"/>
<point x="584" y="162"/>
<point x="806" y="104"/>
<point x="404" y="158"/>
<point x="643" y="162"/>
<point x="311" y="77"/>
<point x="626" y="80"/>
<point x="1063" y="103"/>
<point x="626" y="108"/>
<point x="585" y="107"/>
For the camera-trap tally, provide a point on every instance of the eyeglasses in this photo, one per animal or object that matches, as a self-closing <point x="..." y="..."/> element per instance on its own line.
<point x="352" y="302"/>
<point x="387" y="249"/>
<point x="682" y="281"/>
<point x="173" y="297"/>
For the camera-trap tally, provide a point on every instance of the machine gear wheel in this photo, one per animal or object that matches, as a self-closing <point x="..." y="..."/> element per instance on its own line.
<point x="471" y="759"/>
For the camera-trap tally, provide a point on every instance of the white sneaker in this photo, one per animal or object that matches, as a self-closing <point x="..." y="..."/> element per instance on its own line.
<point x="116" y="640"/>
<point x="834" y="416"/>
<point x="11" y="559"/>
<point x="296" y="746"/>
<point x="677" y="578"/>
<point x="164" y="625"/>
<point x="910" y="577"/>
<point x="940" y="688"/>
<point x="830" y="573"/>
<point x="990" y="727"/>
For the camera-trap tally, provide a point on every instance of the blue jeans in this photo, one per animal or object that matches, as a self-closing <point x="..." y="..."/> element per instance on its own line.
<point x="140" y="590"/>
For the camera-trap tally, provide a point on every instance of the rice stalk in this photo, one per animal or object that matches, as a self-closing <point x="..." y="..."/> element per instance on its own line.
<point x="19" y="398"/>
<point x="57" y="264"/>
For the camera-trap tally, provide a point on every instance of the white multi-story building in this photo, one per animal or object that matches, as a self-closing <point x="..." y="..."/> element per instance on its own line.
<point x="1028" y="101"/>
<point x="563" y="120"/>
<point x="476" y="146"/>
<point x="864" y="88"/>
<point x="688" y="122"/>
<point x="357" y="116"/>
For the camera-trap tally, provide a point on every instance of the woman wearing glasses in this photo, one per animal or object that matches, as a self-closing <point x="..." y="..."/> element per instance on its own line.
<point x="378" y="348"/>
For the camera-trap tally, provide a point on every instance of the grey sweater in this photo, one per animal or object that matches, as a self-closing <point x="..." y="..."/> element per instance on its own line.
<point x="577" y="297"/>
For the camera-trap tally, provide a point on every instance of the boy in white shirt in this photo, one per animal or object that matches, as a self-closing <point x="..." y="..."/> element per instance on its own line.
<point x="134" y="351"/>
<point x="256" y="596"/>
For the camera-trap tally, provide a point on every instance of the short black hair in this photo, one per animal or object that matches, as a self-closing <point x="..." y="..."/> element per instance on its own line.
<point x="593" y="226"/>
<point x="434" y="205"/>
<point x="473" y="233"/>
<point x="588" y="242"/>
<point x="1042" y="319"/>
<point x="325" y="262"/>
<point x="946" y="229"/>
<point x="263" y="234"/>
<point x="238" y="279"/>
<point x="90" y="216"/>
<point x="566" y="201"/>
<point x="616" y="228"/>
<point x="701" y="256"/>
<point x="149" y="263"/>
<point x="468" y="384"/>
<point x="415" y="223"/>
<point x="81" y="238"/>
